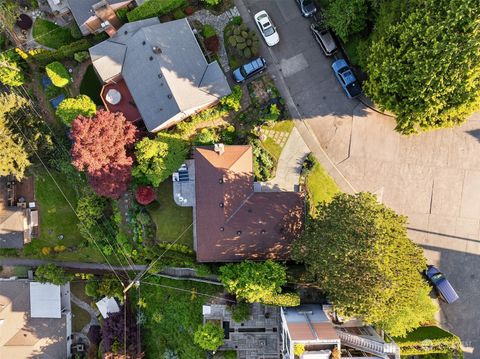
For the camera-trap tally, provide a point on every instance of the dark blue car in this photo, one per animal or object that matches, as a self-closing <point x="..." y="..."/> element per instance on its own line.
<point x="441" y="284"/>
<point x="250" y="69"/>
<point x="346" y="78"/>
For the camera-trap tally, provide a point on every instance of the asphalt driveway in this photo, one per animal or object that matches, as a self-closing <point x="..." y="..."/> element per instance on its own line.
<point x="433" y="178"/>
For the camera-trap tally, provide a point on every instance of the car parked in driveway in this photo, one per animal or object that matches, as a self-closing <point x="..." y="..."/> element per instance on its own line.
<point x="441" y="284"/>
<point x="250" y="69"/>
<point x="307" y="7"/>
<point x="347" y="79"/>
<point x="266" y="27"/>
<point x="324" y="38"/>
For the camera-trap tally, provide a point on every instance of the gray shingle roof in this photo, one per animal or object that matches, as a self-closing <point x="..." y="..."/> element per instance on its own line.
<point x="82" y="9"/>
<point x="164" y="84"/>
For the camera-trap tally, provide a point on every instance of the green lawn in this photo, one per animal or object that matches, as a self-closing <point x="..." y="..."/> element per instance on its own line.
<point x="51" y="35"/>
<point x="173" y="316"/>
<point x="91" y="86"/>
<point x="320" y="186"/>
<point x="422" y="333"/>
<point x="171" y="220"/>
<point x="80" y="318"/>
<point x="78" y="289"/>
<point x="272" y="143"/>
<point x="58" y="218"/>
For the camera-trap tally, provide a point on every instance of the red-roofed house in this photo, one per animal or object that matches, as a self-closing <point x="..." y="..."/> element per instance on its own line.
<point x="232" y="221"/>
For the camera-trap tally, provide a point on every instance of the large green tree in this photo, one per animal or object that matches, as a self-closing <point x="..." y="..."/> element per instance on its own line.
<point x="425" y="67"/>
<point x="13" y="149"/>
<point x="158" y="158"/>
<point x="11" y="73"/>
<point x="347" y="17"/>
<point x="253" y="281"/>
<point x="359" y="254"/>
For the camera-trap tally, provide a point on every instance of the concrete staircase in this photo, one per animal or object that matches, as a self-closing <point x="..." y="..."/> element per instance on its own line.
<point x="380" y="349"/>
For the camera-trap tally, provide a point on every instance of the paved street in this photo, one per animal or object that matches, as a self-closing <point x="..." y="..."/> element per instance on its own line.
<point x="432" y="178"/>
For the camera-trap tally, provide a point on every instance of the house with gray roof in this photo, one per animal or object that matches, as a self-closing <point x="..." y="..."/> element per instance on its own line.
<point x="164" y="69"/>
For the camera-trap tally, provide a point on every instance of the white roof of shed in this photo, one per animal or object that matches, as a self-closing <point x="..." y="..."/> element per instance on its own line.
<point x="107" y="305"/>
<point x="45" y="300"/>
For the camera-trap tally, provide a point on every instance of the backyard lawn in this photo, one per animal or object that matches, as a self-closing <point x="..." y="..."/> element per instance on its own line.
<point x="320" y="186"/>
<point x="173" y="315"/>
<point x="276" y="137"/>
<point x="51" y="35"/>
<point x="57" y="218"/>
<point x="171" y="220"/>
<point x="80" y="318"/>
<point x="91" y="86"/>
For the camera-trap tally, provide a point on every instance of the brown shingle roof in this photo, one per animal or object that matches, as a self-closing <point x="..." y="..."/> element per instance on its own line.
<point x="232" y="221"/>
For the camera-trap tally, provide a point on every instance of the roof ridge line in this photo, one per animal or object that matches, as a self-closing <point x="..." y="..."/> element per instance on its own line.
<point x="247" y="147"/>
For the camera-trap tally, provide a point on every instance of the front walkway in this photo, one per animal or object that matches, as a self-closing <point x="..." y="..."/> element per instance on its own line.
<point x="289" y="165"/>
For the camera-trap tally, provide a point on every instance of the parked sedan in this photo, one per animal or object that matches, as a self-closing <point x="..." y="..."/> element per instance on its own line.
<point x="307" y="7"/>
<point x="266" y="27"/>
<point x="347" y="79"/>
<point x="250" y="69"/>
<point x="324" y="39"/>
<point x="441" y="284"/>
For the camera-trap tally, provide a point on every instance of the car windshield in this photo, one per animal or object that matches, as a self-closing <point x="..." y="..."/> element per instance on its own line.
<point x="269" y="30"/>
<point x="243" y="72"/>
<point x="436" y="278"/>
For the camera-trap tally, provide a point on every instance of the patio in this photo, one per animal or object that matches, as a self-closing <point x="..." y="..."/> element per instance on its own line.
<point x="125" y="103"/>
<point x="184" y="185"/>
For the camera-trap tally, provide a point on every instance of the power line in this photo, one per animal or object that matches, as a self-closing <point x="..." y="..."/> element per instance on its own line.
<point x="63" y="194"/>
<point x="30" y="103"/>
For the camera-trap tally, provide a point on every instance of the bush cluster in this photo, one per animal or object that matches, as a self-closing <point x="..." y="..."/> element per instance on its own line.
<point x="232" y="101"/>
<point x="151" y="8"/>
<point x="58" y="74"/>
<point x="81" y="56"/>
<point x="244" y="41"/>
<point x="240" y="312"/>
<point x="177" y="247"/>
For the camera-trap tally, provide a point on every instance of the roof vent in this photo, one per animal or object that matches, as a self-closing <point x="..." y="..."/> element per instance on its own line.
<point x="125" y="32"/>
<point x="220" y="180"/>
<point x="143" y="42"/>
<point x="263" y="231"/>
<point x="221" y="204"/>
<point x="169" y="96"/>
<point x="222" y="229"/>
<point x="219" y="148"/>
<point x="151" y="58"/>
<point x="160" y="75"/>
<point x="250" y="210"/>
<point x="239" y="232"/>
<point x="156" y="50"/>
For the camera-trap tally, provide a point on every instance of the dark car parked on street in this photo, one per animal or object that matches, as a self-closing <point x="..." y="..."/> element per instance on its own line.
<point x="250" y="69"/>
<point x="324" y="38"/>
<point x="441" y="284"/>
<point x="307" y="7"/>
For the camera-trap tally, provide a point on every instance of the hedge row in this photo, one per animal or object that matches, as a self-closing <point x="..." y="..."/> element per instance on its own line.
<point x="283" y="300"/>
<point x="151" y="8"/>
<point x="62" y="52"/>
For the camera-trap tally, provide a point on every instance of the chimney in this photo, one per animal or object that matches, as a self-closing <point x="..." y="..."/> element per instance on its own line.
<point x="219" y="148"/>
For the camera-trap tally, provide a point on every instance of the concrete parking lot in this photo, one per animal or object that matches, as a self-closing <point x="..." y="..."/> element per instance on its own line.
<point x="433" y="178"/>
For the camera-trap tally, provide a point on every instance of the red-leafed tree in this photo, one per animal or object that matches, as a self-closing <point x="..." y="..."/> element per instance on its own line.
<point x="145" y="195"/>
<point x="101" y="148"/>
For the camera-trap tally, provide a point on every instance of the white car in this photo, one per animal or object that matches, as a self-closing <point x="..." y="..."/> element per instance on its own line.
<point x="265" y="25"/>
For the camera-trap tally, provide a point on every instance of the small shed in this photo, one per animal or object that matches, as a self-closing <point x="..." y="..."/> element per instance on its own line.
<point x="107" y="305"/>
<point x="45" y="300"/>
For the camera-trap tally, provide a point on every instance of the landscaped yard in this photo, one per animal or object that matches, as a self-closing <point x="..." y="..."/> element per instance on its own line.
<point x="276" y="137"/>
<point x="57" y="218"/>
<point x="80" y="318"/>
<point x="320" y="186"/>
<point x="171" y="220"/>
<point x="91" y="86"/>
<point x="173" y="316"/>
<point x="51" y="35"/>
